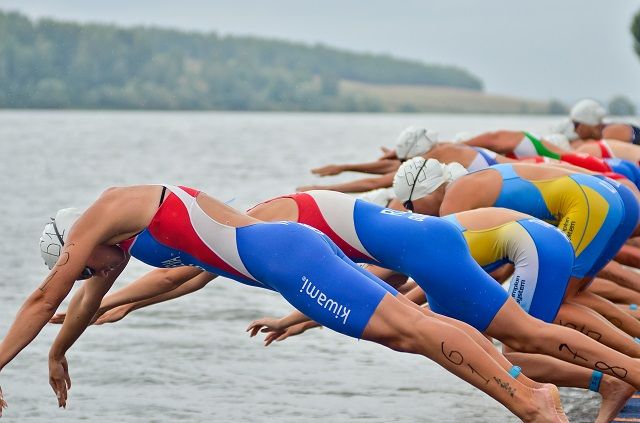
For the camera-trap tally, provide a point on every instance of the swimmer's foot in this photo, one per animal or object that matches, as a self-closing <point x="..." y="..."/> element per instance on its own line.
<point x="555" y="394"/>
<point x="549" y="407"/>
<point x="615" y="394"/>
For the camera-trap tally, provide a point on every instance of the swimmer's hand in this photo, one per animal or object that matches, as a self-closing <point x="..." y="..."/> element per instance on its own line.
<point x="3" y="403"/>
<point x="291" y="331"/>
<point x="58" y="318"/>
<point x="266" y="325"/>
<point x="114" y="315"/>
<point x="59" y="379"/>
<point x="304" y="188"/>
<point x="329" y="170"/>
<point x="388" y="153"/>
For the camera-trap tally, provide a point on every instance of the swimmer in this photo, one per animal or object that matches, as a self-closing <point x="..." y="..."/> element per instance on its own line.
<point x="168" y="226"/>
<point x="401" y="242"/>
<point x="412" y="142"/>
<point x="520" y="145"/>
<point x="596" y="213"/>
<point x="555" y="147"/>
<point x="588" y="116"/>
<point x="608" y="149"/>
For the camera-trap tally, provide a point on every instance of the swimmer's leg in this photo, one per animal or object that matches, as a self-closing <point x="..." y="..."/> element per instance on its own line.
<point x="545" y="369"/>
<point x="614" y="292"/>
<point x="407" y="330"/>
<point x="617" y="273"/>
<point x="592" y="324"/>
<point x="478" y="337"/>
<point x="629" y="255"/>
<point x="524" y="333"/>
<point x="326" y="287"/>
<point x="487" y="345"/>
<point x="634" y="242"/>
<point x="618" y="317"/>
<point x="635" y="312"/>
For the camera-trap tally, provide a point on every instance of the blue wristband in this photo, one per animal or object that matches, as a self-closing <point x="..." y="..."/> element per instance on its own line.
<point x="596" y="377"/>
<point x="633" y="306"/>
<point x="515" y="371"/>
<point x="637" y="340"/>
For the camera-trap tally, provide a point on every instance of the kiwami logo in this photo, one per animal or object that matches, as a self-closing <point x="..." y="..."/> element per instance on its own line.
<point x="333" y="306"/>
<point x="172" y="262"/>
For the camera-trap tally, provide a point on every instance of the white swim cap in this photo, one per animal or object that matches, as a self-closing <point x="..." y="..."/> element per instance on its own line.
<point x="417" y="178"/>
<point x="588" y="112"/>
<point x="55" y="234"/>
<point x="414" y="142"/>
<point x="565" y="128"/>
<point x="380" y="196"/>
<point x="559" y="140"/>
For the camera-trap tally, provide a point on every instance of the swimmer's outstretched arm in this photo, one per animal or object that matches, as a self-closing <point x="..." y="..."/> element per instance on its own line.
<point x="388" y="153"/>
<point x="360" y="185"/>
<point x="273" y="326"/>
<point x="82" y="308"/>
<point x="379" y="167"/>
<point x="192" y="285"/>
<point x="294" y="330"/>
<point x="43" y="302"/>
<point x="397" y="280"/>
<point x="154" y="283"/>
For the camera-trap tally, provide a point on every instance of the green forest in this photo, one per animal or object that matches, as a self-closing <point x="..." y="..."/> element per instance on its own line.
<point x="635" y="31"/>
<point x="53" y="64"/>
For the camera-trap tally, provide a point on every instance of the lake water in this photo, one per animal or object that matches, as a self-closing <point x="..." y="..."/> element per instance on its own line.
<point x="190" y="359"/>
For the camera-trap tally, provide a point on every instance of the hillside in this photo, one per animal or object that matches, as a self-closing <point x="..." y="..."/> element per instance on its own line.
<point x="53" y="64"/>
<point x="408" y="98"/>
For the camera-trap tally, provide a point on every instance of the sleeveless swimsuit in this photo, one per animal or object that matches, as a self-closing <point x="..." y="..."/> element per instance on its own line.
<point x="483" y="159"/>
<point x="429" y="249"/>
<point x="596" y="213"/>
<point x="541" y="254"/>
<point x="295" y="260"/>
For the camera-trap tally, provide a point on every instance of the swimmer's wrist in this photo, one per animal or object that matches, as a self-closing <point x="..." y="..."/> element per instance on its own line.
<point x="282" y="323"/>
<point x="55" y="353"/>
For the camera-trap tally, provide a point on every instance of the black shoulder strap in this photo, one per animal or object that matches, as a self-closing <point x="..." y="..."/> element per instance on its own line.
<point x="164" y="191"/>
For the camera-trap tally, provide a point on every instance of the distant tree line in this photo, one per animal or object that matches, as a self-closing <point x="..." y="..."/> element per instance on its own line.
<point x="51" y="64"/>
<point x="621" y="106"/>
<point x="635" y="31"/>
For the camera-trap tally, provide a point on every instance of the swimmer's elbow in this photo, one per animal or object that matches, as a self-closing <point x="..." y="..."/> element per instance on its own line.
<point x="168" y="279"/>
<point x="41" y="302"/>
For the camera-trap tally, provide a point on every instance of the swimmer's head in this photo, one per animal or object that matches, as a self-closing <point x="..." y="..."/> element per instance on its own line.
<point x="414" y="142"/>
<point x="587" y="116"/>
<point x="566" y="128"/>
<point x="54" y="236"/>
<point x="418" y="178"/>
<point x="559" y="140"/>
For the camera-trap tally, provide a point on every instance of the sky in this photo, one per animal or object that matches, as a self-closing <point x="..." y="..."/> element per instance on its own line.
<point x="565" y="49"/>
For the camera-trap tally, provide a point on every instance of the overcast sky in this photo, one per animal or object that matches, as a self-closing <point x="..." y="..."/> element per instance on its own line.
<point x="566" y="49"/>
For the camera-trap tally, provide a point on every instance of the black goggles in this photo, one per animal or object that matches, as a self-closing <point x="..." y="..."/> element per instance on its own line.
<point x="87" y="272"/>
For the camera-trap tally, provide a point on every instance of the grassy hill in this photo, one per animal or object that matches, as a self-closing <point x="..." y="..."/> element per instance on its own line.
<point x="411" y="98"/>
